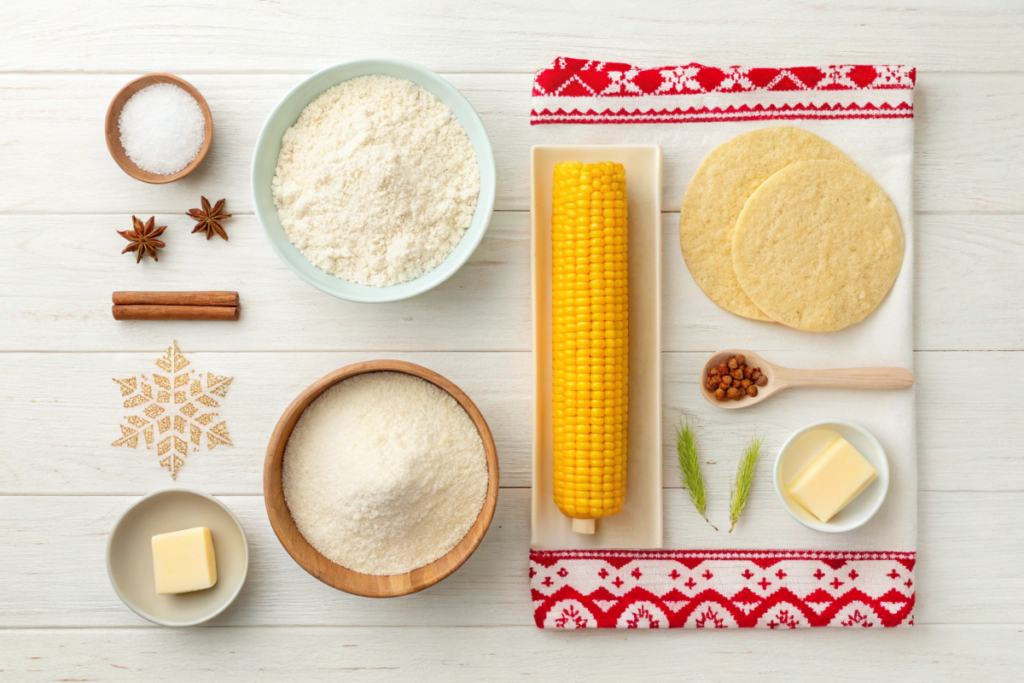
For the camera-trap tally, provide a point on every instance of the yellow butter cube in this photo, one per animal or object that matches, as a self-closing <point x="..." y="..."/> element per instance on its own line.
<point x="183" y="561"/>
<point x="832" y="480"/>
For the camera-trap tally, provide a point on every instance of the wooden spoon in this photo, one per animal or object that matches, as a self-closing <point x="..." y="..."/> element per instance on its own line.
<point x="780" y="378"/>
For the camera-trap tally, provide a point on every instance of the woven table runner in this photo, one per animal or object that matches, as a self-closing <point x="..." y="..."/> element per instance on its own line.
<point x="779" y="574"/>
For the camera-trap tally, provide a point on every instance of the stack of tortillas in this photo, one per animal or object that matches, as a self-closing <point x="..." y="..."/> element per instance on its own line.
<point x="779" y="225"/>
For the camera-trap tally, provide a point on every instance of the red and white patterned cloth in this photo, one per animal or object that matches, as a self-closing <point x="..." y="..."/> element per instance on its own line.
<point x="823" y="579"/>
<point x="586" y="91"/>
<point x="720" y="588"/>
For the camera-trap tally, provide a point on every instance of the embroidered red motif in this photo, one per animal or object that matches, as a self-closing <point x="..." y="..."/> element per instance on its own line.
<point x="784" y="619"/>
<point x="711" y="616"/>
<point x="579" y="597"/>
<point x="642" y="614"/>
<point x="858" y="619"/>
<point x="569" y="77"/>
<point x="586" y="91"/>
<point x="570" y="614"/>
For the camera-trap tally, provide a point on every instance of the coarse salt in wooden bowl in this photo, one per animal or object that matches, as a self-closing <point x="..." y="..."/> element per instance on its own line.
<point x="113" y="132"/>
<point x="334" y="574"/>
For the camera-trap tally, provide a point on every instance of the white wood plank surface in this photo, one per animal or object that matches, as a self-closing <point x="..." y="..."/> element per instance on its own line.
<point x="60" y="412"/>
<point x="969" y="266"/>
<point x="968" y="130"/>
<point x="512" y="35"/>
<point x="62" y="198"/>
<point x="491" y="589"/>
<point x="923" y="654"/>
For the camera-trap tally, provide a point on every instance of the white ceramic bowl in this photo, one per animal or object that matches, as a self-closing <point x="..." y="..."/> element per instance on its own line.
<point x="268" y="146"/>
<point x="789" y="464"/>
<point x="130" y="556"/>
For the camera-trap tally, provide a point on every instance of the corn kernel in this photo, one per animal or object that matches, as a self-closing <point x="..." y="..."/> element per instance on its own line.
<point x="590" y="337"/>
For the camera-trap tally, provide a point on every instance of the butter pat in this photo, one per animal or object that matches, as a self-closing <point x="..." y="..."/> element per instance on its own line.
<point x="183" y="561"/>
<point x="832" y="480"/>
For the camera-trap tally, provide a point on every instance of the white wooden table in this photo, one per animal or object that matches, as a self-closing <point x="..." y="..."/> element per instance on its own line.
<point x="62" y="198"/>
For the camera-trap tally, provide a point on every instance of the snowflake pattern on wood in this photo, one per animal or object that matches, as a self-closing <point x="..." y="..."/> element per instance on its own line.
<point x="173" y="410"/>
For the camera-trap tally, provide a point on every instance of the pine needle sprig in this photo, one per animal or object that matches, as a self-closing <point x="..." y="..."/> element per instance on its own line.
<point x="689" y="470"/>
<point x="744" y="480"/>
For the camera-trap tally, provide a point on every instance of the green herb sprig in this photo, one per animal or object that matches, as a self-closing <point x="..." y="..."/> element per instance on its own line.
<point x="689" y="470"/>
<point x="744" y="480"/>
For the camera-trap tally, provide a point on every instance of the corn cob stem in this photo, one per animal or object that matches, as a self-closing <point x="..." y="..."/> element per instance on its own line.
<point x="584" y="526"/>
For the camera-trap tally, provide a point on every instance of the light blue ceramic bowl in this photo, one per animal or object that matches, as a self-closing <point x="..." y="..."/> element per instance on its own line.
<point x="264" y="162"/>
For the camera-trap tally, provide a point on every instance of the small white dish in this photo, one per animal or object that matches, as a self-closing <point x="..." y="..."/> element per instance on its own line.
<point x="130" y="556"/>
<point x="805" y="445"/>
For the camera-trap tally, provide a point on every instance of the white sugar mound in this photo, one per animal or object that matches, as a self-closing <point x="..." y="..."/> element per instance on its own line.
<point x="162" y="128"/>
<point x="376" y="182"/>
<point x="384" y="473"/>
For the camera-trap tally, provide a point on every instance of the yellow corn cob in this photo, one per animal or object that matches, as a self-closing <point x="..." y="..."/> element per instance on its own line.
<point x="590" y="338"/>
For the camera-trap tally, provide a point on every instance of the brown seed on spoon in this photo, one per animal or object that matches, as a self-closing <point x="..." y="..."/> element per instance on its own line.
<point x="775" y="378"/>
<point x="733" y="377"/>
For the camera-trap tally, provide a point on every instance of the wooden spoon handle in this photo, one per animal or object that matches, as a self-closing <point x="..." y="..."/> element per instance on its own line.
<point x="846" y="378"/>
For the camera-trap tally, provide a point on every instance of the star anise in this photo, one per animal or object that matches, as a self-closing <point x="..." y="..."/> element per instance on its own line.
<point x="209" y="219"/>
<point x="143" y="238"/>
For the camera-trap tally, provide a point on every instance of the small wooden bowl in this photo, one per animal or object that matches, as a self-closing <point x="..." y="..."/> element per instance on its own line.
<point x="113" y="134"/>
<point x="334" y="574"/>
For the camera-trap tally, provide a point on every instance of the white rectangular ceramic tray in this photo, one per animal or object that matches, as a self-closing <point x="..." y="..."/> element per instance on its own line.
<point x="640" y="523"/>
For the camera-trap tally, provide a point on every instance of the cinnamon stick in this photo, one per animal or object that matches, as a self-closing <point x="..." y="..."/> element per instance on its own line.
<point x="176" y="298"/>
<point x="173" y="312"/>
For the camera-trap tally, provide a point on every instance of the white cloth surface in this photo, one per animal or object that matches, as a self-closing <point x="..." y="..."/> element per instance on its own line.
<point x="882" y="147"/>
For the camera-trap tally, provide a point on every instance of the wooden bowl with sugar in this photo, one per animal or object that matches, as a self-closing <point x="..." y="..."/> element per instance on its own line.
<point x="113" y="133"/>
<point x="330" y="572"/>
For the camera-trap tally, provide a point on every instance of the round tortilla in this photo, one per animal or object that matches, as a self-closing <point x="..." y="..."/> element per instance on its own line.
<point x="716" y="195"/>
<point x="818" y="245"/>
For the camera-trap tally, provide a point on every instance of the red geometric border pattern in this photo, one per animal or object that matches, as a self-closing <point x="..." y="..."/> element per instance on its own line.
<point x="752" y="92"/>
<point x="744" y="112"/>
<point x="568" y="77"/>
<point x="721" y="589"/>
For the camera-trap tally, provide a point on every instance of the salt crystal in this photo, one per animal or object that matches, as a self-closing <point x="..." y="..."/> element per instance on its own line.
<point x="162" y="128"/>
